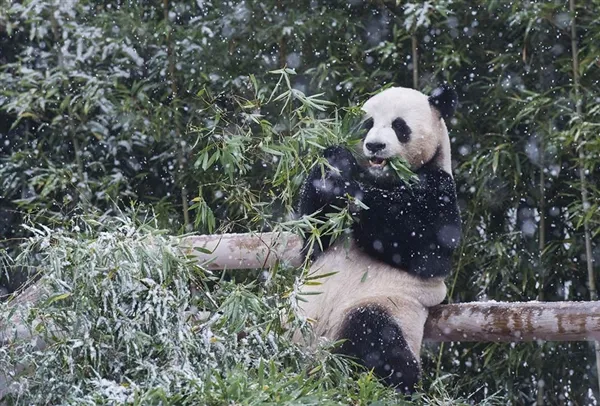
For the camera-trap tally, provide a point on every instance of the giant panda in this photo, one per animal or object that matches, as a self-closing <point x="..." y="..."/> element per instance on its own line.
<point x="391" y="267"/>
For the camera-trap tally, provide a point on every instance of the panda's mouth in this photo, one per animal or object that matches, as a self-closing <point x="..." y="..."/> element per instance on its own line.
<point x="376" y="162"/>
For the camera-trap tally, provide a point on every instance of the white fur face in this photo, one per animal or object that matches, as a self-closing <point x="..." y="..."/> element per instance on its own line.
<point x="404" y="124"/>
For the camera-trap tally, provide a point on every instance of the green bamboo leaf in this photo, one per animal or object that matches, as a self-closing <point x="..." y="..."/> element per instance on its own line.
<point x="271" y="151"/>
<point x="58" y="297"/>
<point x="203" y="250"/>
<point x="495" y="161"/>
<point x="321" y="276"/>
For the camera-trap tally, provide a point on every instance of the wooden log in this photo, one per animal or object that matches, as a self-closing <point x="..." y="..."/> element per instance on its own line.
<point x="475" y="321"/>
<point x="514" y="322"/>
<point x="245" y="251"/>
<point x="14" y="328"/>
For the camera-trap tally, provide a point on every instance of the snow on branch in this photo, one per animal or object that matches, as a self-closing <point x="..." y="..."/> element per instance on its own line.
<point x="475" y="321"/>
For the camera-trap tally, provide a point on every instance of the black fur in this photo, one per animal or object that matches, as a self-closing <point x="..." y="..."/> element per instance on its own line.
<point x="415" y="228"/>
<point x="444" y="99"/>
<point x="376" y="341"/>
<point x="402" y="130"/>
<point x="325" y="188"/>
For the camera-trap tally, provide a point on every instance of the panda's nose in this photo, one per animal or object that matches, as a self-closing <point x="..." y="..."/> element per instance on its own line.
<point x="375" y="146"/>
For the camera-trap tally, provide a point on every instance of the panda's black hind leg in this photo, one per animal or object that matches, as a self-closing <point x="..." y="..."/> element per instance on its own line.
<point x="376" y="341"/>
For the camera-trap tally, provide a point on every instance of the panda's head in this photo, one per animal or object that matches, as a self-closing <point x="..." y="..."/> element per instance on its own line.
<point x="405" y="123"/>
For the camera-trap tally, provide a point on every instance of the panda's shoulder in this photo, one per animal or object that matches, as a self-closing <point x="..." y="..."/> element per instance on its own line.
<point x="436" y="179"/>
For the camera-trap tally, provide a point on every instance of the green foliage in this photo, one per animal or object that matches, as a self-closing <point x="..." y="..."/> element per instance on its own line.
<point x="127" y="318"/>
<point x="402" y="170"/>
<point x="209" y="114"/>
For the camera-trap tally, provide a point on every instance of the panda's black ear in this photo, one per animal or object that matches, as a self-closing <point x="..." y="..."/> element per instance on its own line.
<point x="445" y="99"/>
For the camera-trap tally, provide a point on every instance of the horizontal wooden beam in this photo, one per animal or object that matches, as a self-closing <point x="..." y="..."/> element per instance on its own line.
<point x="514" y="322"/>
<point x="245" y="251"/>
<point x="475" y="321"/>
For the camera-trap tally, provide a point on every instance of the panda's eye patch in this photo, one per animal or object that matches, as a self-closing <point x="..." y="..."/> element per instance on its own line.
<point x="367" y="124"/>
<point x="402" y="130"/>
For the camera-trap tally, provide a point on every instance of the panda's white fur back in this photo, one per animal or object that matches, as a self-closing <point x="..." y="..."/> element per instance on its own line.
<point x="360" y="281"/>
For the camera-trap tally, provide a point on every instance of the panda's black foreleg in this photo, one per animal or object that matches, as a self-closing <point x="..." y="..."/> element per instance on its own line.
<point x="415" y="229"/>
<point x="376" y="341"/>
<point x="327" y="186"/>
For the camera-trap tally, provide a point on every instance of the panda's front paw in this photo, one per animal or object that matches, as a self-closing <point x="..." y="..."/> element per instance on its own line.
<point x="355" y="203"/>
<point x="333" y="187"/>
<point x="342" y="160"/>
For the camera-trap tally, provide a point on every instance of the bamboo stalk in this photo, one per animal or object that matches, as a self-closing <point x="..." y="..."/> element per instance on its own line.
<point x="415" y="60"/>
<point x="542" y="227"/>
<point x="542" y="243"/>
<point x="174" y="92"/>
<point x="542" y="230"/>
<point x="77" y="151"/>
<point x="584" y="192"/>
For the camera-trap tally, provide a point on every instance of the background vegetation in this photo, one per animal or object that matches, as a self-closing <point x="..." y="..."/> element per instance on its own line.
<point x="170" y="107"/>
